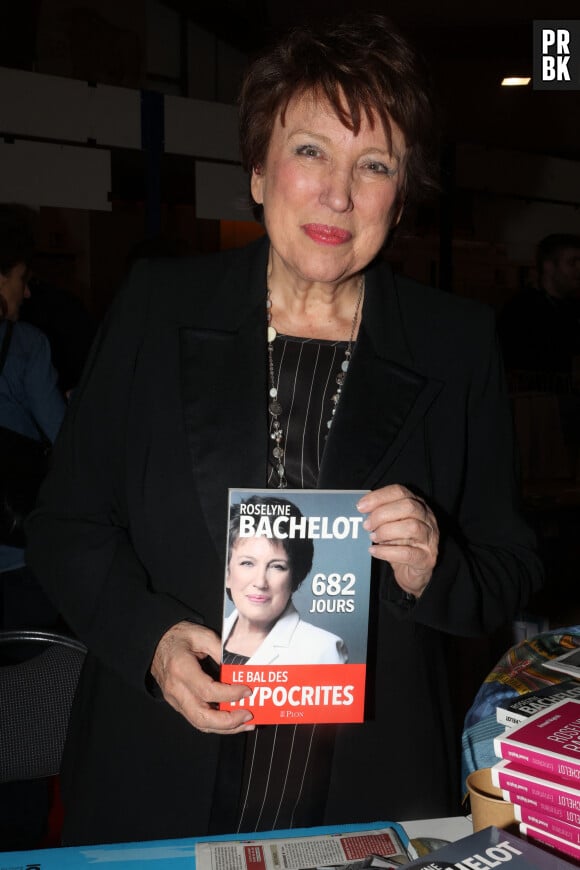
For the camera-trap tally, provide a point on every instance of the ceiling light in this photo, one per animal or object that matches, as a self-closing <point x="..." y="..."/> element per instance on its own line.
<point x="515" y="81"/>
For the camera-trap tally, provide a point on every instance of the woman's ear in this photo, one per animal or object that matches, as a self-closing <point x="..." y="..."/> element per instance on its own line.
<point x="257" y="184"/>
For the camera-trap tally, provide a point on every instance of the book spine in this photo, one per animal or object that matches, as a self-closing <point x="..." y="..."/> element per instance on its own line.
<point x="541" y="795"/>
<point x="538" y="805"/>
<point x="524" y="706"/>
<point x="550" y="824"/>
<point x="546" y="763"/>
<point x="508" y="718"/>
<point x="556" y="843"/>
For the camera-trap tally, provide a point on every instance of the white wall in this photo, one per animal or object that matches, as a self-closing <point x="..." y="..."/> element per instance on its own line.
<point x="518" y="197"/>
<point x="67" y="114"/>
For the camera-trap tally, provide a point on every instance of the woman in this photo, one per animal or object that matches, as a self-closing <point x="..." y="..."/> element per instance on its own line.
<point x="174" y="409"/>
<point x="262" y="575"/>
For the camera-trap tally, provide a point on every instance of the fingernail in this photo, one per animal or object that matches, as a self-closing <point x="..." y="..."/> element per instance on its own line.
<point x="246" y="693"/>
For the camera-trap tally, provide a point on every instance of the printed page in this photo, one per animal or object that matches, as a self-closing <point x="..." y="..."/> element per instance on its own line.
<point x="300" y="853"/>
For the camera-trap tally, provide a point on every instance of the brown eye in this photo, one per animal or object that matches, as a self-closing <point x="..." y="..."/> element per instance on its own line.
<point x="379" y="168"/>
<point x="308" y="151"/>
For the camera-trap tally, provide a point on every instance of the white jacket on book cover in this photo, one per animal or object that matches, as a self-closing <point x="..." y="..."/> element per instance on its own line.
<point x="294" y="642"/>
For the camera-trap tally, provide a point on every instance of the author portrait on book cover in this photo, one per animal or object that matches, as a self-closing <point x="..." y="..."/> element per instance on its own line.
<point x="262" y="574"/>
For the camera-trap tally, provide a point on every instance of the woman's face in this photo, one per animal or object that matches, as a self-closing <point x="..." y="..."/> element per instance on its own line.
<point x="14" y="289"/>
<point x="329" y="197"/>
<point x="259" y="579"/>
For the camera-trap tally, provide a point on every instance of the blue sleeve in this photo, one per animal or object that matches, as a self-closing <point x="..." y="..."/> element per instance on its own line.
<point x="45" y="400"/>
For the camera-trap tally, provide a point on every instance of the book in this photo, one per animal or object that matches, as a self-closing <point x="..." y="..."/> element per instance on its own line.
<point x="544" y="837"/>
<point x="568" y="663"/>
<point x="551" y="796"/>
<point x="555" y="827"/>
<point x="521" y="708"/>
<point x="549" y="741"/>
<point x="489" y="848"/>
<point x="296" y="604"/>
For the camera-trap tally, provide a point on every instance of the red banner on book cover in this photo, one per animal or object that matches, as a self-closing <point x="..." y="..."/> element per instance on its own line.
<point x="300" y="693"/>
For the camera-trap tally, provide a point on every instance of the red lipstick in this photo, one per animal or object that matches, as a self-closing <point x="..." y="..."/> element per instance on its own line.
<point x="326" y="235"/>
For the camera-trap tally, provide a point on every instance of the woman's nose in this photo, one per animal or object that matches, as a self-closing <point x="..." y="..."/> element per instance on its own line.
<point x="337" y="190"/>
<point x="261" y="579"/>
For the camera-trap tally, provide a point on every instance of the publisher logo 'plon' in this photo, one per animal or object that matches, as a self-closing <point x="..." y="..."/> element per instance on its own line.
<point x="556" y="55"/>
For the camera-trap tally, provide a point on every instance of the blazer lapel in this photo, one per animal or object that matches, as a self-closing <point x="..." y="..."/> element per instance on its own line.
<point x="384" y="398"/>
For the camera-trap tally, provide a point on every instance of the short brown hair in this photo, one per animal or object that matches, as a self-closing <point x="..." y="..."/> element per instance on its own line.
<point x="362" y="57"/>
<point x="300" y="551"/>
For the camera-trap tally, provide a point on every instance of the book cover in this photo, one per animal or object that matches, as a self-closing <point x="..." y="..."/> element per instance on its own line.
<point x="549" y="741"/>
<point x="553" y="826"/>
<point x="491" y="847"/>
<point x="296" y="604"/>
<point x="557" y="843"/>
<point x="568" y="663"/>
<point x="549" y="796"/>
<point x="521" y="708"/>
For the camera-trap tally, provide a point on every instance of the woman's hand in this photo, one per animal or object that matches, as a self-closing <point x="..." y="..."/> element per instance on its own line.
<point x="404" y="532"/>
<point x="193" y="693"/>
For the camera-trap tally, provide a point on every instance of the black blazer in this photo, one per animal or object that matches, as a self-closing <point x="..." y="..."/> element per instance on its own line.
<point x="130" y="533"/>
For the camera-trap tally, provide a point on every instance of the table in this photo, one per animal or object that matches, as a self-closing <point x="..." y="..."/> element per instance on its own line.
<point x="452" y="828"/>
<point x="180" y="854"/>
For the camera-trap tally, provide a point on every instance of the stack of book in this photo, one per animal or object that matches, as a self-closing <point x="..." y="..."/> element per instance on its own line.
<point x="540" y="774"/>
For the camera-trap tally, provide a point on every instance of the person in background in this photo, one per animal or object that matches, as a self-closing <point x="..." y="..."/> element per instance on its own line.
<point x="299" y="361"/>
<point x="30" y="404"/>
<point x="539" y="327"/>
<point x="59" y="314"/>
<point x="65" y="321"/>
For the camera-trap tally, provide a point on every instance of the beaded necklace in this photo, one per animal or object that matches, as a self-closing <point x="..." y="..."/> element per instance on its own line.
<point x="275" y="408"/>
